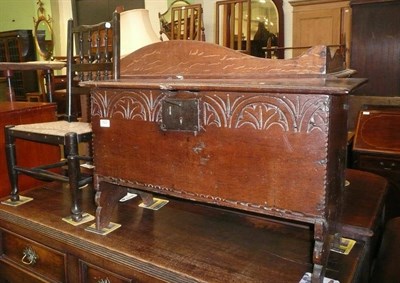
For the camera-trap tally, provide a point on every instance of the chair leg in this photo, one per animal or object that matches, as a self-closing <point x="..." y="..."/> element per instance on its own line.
<point x="71" y="153"/>
<point x="11" y="163"/>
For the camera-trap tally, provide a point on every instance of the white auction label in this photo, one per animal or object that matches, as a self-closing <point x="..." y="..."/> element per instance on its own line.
<point x="104" y="123"/>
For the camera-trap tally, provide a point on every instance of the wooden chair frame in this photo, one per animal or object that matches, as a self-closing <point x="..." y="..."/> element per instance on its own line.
<point x="69" y="133"/>
<point x="229" y="29"/>
<point x="187" y="23"/>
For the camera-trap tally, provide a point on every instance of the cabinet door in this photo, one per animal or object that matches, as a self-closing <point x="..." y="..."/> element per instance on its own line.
<point x="87" y="12"/>
<point x="325" y="23"/>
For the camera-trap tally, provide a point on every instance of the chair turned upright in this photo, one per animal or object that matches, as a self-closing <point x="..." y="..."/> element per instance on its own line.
<point x="232" y="28"/>
<point x="186" y="23"/>
<point x="96" y="57"/>
<point x="182" y="21"/>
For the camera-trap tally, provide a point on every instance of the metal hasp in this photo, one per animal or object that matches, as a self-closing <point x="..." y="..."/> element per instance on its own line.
<point x="180" y="115"/>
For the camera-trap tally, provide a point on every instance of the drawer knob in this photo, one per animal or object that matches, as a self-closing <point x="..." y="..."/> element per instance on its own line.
<point x="104" y="281"/>
<point x="30" y="256"/>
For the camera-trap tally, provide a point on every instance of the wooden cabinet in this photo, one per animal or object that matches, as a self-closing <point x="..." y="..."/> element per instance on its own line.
<point x="320" y="22"/>
<point x="29" y="154"/>
<point x="181" y="242"/>
<point x="18" y="46"/>
<point x="88" y="12"/>
<point x="376" y="148"/>
<point x="364" y="221"/>
<point x="375" y="45"/>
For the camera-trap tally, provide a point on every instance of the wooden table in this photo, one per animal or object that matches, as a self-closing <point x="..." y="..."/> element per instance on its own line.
<point x="376" y="148"/>
<point x="29" y="154"/>
<point x="47" y="66"/>
<point x="363" y="215"/>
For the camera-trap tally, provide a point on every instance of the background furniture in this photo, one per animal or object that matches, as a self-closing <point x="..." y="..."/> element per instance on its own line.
<point x="358" y="103"/>
<point x="89" y="12"/>
<point x="376" y="148"/>
<point x="182" y="242"/>
<point x="238" y="24"/>
<point x="18" y="46"/>
<point x="47" y="67"/>
<point x="43" y="33"/>
<point x="386" y="269"/>
<point x="182" y="21"/>
<point x="232" y="27"/>
<point x="321" y="22"/>
<point x="14" y="113"/>
<point x="187" y="23"/>
<point x="363" y="217"/>
<point x="375" y="46"/>
<point x="4" y="95"/>
<point x="44" y="42"/>
<point x="97" y="48"/>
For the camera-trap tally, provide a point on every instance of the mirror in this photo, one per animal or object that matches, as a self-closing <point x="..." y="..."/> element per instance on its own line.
<point x="165" y="18"/>
<point x="254" y="27"/>
<point x="43" y="33"/>
<point x="264" y="27"/>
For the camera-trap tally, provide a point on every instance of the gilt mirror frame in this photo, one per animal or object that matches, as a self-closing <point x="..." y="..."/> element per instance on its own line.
<point x="44" y="41"/>
<point x="239" y="24"/>
<point x="165" y="18"/>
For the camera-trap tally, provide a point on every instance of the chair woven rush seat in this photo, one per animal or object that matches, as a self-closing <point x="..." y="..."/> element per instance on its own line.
<point x="59" y="132"/>
<point x="55" y="129"/>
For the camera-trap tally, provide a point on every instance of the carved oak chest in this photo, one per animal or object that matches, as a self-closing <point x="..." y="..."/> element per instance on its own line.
<point x="222" y="128"/>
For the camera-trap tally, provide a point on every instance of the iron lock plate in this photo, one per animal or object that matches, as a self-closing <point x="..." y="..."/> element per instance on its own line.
<point x="180" y="115"/>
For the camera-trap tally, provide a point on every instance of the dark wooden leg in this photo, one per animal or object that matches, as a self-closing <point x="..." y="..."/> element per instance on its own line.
<point x="11" y="163"/>
<point x="321" y="251"/>
<point x="11" y="93"/>
<point x="107" y="197"/>
<point x="71" y="151"/>
<point x="147" y="198"/>
<point x="49" y="85"/>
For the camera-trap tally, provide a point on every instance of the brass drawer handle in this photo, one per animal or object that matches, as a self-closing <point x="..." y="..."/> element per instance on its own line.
<point x="104" y="281"/>
<point x="30" y="256"/>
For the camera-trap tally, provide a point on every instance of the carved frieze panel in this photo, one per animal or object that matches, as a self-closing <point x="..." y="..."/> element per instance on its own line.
<point x="290" y="112"/>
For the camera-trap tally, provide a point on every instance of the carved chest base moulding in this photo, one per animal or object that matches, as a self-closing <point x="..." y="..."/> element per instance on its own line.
<point x="197" y="121"/>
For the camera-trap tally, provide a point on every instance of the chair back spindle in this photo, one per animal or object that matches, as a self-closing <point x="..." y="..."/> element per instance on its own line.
<point x="186" y="23"/>
<point x="92" y="54"/>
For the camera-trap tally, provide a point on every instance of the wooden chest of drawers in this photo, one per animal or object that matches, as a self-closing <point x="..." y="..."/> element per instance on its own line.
<point x="35" y="257"/>
<point x="182" y="242"/>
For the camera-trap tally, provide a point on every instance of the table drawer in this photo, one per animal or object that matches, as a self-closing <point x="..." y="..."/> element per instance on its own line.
<point x="34" y="257"/>
<point x="94" y="274"/>
<point x="381" y="164"/>
<point x="10" y="272"/>
<point x="90" y="273"/>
